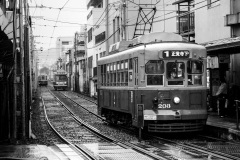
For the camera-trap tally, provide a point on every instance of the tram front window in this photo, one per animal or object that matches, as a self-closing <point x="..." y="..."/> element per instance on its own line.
<point x="175" y="73"/>
<point x="194" y="70"/>
<point x="154" y="70"/>
<point x="61" y="78"/>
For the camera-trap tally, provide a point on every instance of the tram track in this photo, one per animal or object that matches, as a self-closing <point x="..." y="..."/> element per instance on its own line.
<point x="67" y="135"/>
<point x="191" y="147"/>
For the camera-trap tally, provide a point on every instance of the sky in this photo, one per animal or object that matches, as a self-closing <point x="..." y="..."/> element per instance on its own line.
<point x="44" y="15"/>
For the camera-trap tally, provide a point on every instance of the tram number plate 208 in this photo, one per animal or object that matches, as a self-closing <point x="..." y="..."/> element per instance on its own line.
<point x="164" y="105"/>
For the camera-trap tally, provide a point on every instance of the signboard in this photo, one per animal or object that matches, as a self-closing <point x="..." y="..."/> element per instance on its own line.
<point x="176" y="54"/>
<point x="212" y="62"/>
<point x="224" y="58"/>
<point x="1" y="70"/>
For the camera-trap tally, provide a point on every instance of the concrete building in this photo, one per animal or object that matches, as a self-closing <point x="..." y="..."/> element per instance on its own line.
<point x="63" y="44"/>
<point x="17" y="78"/>
<point x="216" y="25"/>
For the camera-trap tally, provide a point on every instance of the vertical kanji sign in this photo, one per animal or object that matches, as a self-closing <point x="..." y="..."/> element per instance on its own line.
<point x="1" y="70"/>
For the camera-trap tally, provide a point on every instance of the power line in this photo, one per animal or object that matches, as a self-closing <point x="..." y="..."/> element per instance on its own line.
<point x="185" y="13"/>
<point x="56" y="23"/>
<point x="104" y="40"/>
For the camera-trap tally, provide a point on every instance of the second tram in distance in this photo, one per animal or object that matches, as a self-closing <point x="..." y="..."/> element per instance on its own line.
<point x="60" y="80"/>
<point x="156" y="81"/>
<point x="43" y="80"/>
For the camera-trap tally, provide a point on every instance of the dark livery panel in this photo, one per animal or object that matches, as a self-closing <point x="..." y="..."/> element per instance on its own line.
<point x="160" y="86"/>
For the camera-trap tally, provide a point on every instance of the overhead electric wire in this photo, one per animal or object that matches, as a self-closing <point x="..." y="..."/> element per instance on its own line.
<point x="55" y="25"/>
<point x="104" y="40"/>
<point x="185" y="13"/>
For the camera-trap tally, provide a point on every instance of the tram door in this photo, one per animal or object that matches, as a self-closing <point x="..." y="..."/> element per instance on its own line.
<point x="132" y="94"/>
<point x="135" y="72"/>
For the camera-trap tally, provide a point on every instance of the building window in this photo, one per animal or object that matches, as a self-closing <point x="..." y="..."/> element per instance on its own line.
<point x="213" y="3"/>
<point x="99" y="38"/>
<point x="89" y="34"/>
<point x="65" y="42"/>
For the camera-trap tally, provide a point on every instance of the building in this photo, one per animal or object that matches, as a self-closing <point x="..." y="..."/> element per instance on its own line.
<point x="216" y="25"/>
<point x="17" y="58"/>
<point x="63" y="44"/>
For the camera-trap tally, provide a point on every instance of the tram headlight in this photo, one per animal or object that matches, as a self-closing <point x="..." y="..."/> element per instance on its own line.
<point x="176" y="100"/>
<point x="155" y="102"/>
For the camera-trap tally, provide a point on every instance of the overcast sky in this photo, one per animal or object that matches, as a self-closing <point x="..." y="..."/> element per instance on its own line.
<point x="44" y="15"/>
<point x="74" y="12"/>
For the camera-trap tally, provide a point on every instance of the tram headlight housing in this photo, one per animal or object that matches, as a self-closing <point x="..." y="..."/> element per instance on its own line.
<point x="155" y="103"/>
<point x="176" y="100"/>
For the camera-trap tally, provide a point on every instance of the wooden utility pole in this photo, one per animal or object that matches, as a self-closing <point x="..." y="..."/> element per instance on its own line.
<point x="107" y="28"/>
<point x="124" y="20"/>
<point x="75" y="63"/>
<point x="14" y="132"/>
<point x="22" y="68"/>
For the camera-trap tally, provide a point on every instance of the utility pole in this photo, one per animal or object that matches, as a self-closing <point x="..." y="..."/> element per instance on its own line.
<point x="22" y="67"/>
<point x="86" y="56"/>
<point x="107" y="28"/>
<point x="75" y="63"/>
<point x="15" y="75"/>
<point x="124" y="20"/>
<point x="27" y="75"/>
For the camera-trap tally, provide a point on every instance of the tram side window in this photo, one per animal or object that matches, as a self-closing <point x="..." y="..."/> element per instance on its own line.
<point x="102" y="75"/>
<point x="194" y="70"/>
<point x="154" y="70"/>
<point x="175" y="73"/>
<point x="114" y="75"/>
<point x="130" y="64"/>
<point x="104" y="72"/>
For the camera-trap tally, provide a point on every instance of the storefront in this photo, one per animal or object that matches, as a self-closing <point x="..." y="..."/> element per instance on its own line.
<point x="223" y="62"/>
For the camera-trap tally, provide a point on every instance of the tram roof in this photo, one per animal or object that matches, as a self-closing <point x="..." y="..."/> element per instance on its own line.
<point x="152" y="47"/>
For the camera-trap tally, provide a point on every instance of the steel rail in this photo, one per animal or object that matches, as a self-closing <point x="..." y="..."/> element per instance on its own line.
<point x="113" y="140"/>
<point x="82" y="151"/>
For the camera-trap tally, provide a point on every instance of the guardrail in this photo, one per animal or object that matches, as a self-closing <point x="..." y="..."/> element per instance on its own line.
<point x="237" y="113"/>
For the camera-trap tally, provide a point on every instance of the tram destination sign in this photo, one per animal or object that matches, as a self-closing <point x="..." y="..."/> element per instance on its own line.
<point x="176" y="54"/>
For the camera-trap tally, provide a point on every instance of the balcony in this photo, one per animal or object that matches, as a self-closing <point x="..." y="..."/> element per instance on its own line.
<point x="232" y="19"/>
<point x="185" y="24"/>
<point x="80" y="53"/>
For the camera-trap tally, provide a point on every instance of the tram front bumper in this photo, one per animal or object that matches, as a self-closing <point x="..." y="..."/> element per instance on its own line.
<point x="175" y="114"/>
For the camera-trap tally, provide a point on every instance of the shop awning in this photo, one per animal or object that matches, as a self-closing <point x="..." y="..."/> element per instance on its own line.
<point x="226" y="43"/>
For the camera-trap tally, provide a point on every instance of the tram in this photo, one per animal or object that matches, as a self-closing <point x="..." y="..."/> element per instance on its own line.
<point x="60" y="80"/>
<point x="43" y="80"/>
<point x="156" y="82"/>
